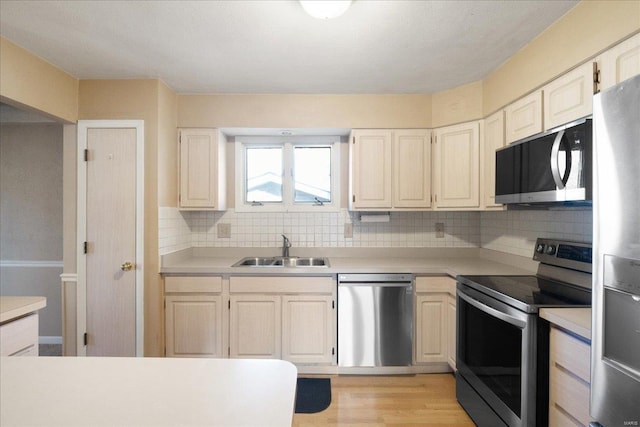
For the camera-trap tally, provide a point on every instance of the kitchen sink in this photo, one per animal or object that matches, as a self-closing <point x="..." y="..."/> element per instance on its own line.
<point x="282" y="262"/>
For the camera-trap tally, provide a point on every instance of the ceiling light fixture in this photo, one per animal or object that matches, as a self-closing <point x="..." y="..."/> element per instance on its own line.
<point x="325" y="9"/>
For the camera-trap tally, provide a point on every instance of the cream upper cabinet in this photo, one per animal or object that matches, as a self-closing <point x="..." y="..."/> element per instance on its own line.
<point x="523" y="118"/>
<point x="370" y="168"/>
<point x="390" y="169"/>
<point x="193" y="317"/>
<point x="411" y="168"/>
<point x="307" y="328"/>
<point x="492" y="138"/>
<point x="456" y="166"/>
<point x="620" y="62"/>
<point x="569" y="97"/>
<point x="202" y="183"/>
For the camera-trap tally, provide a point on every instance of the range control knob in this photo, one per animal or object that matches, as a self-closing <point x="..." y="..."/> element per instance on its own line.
<point x="550" y="250"/>
<point x="540" y="248"/>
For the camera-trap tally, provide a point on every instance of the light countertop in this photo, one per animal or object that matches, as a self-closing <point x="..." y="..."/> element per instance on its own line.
<point x="431" y="261"/>
<point x="576" y="320"/>
<point x="14" y="307"/>
<point x="103" y="391"/>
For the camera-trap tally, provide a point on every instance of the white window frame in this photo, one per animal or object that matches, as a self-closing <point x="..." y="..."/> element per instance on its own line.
<point x="288" y="143"/>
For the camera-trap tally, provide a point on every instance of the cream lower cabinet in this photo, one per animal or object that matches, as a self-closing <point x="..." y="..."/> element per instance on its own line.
<point x="434" y="322"/>
<point x="20" y="337"/>
<point x="569" y="380"/>
<point x="290" y="318"/>
<point x="193" y="317"/>
<point x="456" y="166"/>
<point x="452" y="321"/>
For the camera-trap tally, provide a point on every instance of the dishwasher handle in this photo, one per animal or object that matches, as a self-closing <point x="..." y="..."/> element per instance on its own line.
<point x="377" y="284"/>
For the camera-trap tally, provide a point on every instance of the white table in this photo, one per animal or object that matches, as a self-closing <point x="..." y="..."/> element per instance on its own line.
<point x="103" y="391"/>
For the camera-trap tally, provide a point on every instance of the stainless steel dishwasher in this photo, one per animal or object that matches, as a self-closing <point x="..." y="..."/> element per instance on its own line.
<point x="375" y="320"/>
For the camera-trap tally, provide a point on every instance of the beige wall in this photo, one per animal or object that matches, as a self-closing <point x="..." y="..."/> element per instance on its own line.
<point x="136" y="99"/>
<point x="167" y="146"/>
<point x="583" y="32"/>
<point x="32" y="83"/>
<point x="289" y="111"/>
<point x="458" y="105"/>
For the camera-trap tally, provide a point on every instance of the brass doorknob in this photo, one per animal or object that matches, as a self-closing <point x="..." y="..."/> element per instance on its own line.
<point x="126" y="266"/>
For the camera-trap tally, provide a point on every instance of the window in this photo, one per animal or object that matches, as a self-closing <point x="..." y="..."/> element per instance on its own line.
<point x="291" y="174"/>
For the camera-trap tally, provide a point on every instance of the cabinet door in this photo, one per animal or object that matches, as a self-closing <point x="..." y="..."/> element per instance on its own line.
<point x="451" y="328"/>
<point x="493" y="139"/>
<point x="199" y="169"/>
<point x="412" y="169"/>
<point x="255" y="327"/>
<point x="193" y="326"/>
<point x="431" y="328"/>
<point x="620" y="62"/>
<point x="569" y="97"/>
<point x="523" y="118"/>
<point x="370" y="169"/>
<point x="307" y="328"/>
<point x="457" y="164"/>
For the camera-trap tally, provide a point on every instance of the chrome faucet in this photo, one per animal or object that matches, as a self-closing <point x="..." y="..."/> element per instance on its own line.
<point x="286" y="244"/>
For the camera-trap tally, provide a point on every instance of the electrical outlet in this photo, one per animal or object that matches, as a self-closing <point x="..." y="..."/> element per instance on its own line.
<point x="439" y="230"/>
<point x="348" y="230"/>
<point x="224" y="230"/>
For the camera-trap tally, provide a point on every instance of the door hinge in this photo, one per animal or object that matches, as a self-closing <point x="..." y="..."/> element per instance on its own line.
<point x="86" y="155"/>
<point x="353" y="139"/>
<point x="86" y="339"/>
<point x="333" y="305"/>
<point x="354" y="198"/>
<point x="229" y="351"/>
<point x="596" y="78"/>
<point x="333" y="351"/>
<point x="229" y="304"/>
<point x="85" y="247"/>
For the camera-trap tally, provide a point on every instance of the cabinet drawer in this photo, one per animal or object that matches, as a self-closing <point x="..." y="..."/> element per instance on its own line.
<point x="193" y="284"/>
<point x="559" y="418"/>
<point x="19" y="335"/>
<point x="570" y="353"/>
<point x="569" y="393"/>
<point x="281" y="284"/>
<point x="444" y="284"/>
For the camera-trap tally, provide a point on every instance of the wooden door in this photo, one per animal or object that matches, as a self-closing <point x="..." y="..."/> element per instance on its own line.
<point x="523" y="118"/>
<point x="255" y="326"/>
<point x="370" y="169"/>
<point x="493" y="138"/>
<point x="620" y="62"/>
<point x="307" y="328"/>
<point x="193" y="326"/>
<point x="457" y="165"/>
<point x="412" y="169"/>
<point x="111" y="242"/>
<point x="431" y="329"/>
<point x="569" y="97"/>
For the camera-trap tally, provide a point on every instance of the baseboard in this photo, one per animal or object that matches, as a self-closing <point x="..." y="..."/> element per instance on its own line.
<point x="49" y="340"/>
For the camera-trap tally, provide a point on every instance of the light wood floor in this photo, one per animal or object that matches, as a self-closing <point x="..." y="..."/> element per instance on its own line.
<point x="420" y="400"/>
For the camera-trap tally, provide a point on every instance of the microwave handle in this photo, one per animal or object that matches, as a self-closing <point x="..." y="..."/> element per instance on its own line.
<point x="555" y="154"/>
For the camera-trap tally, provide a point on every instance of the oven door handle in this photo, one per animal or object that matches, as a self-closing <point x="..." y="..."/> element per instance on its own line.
<point x="493" y="312"/>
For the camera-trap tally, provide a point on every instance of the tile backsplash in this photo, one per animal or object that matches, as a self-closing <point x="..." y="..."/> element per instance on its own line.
<point x="506" y="231"/>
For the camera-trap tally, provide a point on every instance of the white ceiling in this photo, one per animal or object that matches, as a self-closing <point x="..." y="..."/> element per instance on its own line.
<point x="265" y="46"/>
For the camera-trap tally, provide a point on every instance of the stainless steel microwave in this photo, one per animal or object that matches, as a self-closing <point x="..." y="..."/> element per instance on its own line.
<point x="554" y="166"/>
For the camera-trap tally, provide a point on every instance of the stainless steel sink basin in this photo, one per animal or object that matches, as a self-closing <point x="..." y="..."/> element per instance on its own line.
<point x="282" y="262"/>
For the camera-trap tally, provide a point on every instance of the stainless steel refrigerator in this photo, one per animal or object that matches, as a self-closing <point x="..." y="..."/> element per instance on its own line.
<point x="615" y="336"/>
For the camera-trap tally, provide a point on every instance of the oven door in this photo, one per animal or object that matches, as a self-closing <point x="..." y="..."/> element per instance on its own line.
<point x="497" y="357"/>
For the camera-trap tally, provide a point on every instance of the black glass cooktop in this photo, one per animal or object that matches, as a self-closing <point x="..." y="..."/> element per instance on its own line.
<point x="529" y="293"/>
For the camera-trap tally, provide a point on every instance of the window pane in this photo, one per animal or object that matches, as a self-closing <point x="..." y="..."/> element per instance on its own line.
<point x="312" y="174"/>
<point x="264" y="175"/>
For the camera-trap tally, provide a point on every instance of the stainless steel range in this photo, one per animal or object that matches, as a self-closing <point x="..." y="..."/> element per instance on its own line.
<point x="503" y="346"/>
